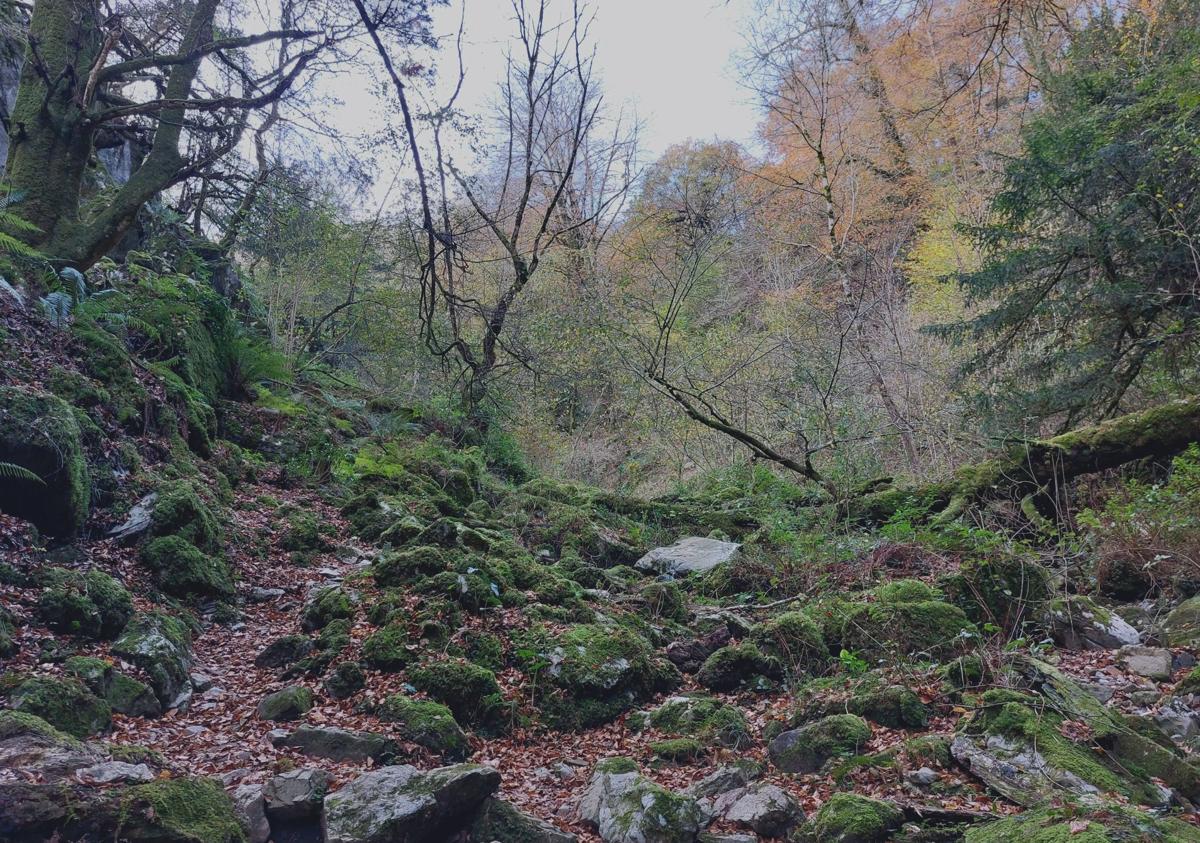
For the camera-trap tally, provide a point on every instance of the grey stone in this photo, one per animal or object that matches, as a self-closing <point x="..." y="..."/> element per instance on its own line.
<point x="923" y="777"/>
<point x="200" y="682"/>
<point x="401" y="803"/>
<point x="340" y="744"/>
<point x="1076" y="623"/>
<point x="1151" y="662"/>
<point x="1178" y="720"/>
<point x="692" y="555"/>
<point x="625" y="807"/>
<point x="290" y="703"/>
<point x="764" y="808"/>
<point x="251" y="810"/>
<point x="295" y="795"/>
<point x="43" y="754"/>
<point x="1017" y="770"/>
<point x="114" y="772"/>
<point x="722" y="780"/>
<point x="137" y="521"/>
<point x="264" y="595"/>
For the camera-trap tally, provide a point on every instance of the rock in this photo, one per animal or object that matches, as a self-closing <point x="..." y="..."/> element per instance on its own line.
<point x="426" y="724"/>
<point x="699" y="716"/>
<point x="849" y="818"/>
<point x="793" y="640"/>
<point x="1182" y="626"/>
<point x="114" y="772"/>
<point x="624" y="807"/>
<point x="1077" y="623"/>
<point x="200" y="682"/>
<point x="340" y="744"/>
<point x="738" y="666"/>
<point x="468" y="690"/>
<point x="1111" y="824"/>
<point x="891" y="631"/>
<point x="185" y="810"/>
<point x="692" y="555"/>
<point x="402" y="803"/>
<point x="1151" y="662"/>
<point x="893" y="706"/>
<point x="805" y="750"/>
<point x="32" y="745"/>
<point x="89" y="604"/>
<point x="723" y="780"/>
<point x="123" y="693"/>
<point x="763" y="808"/>
<point x="345" y="680"/>
<point x="162" y="647"/>
<point x="295" y="795"/>
<point x="137" y="520"/>
<point x="500" y="822"/>
<point x="689" y="655"/>
<point x="922" y="777"/>
<point x="284" y="651"/>
<point x="291" y="703"/>
<point x="180" y="512"/>
<point x="264" y="595"/>
<point x="709" y="837"/>
<point x="39" y="433"/>
<point x="184" y="570"/>
<point x="1178" y="720"/>
<point x="66" y="704"/>
<point x="326" y="605"/>
<point x="251" y="810"/>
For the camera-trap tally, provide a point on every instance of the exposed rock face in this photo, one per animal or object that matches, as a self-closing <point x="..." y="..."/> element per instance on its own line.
<point x="692" y="555"/>
<point x="1077" y="623"/>
<point x="624" y="807"/>
<point x="250" y="807"/>
<point x="403" y="804"/>
<point x="295" y="795"/>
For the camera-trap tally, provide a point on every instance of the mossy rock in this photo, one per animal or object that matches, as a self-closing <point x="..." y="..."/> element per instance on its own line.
<point x="15" y="723"/>
<point x="345" y="680"/>
<point x="123" y="693"/>
<point x="468" y="690"/>
<point x="290" y="703"/>
<point x="181" y="512"/>
<point x="302" y="533"/>
<point x="964" y="672"/>
<point x="805" y="750"/>
<point x="700" y="716"/>
<point x="500" y="822"/>
<point x="470" y="589"/>
<point x="284" y="651"/>
<point x="738" y="666"/>
<point x="1182" y="626"/>
<point x="677" y="750"/>
<point x="794" y="641"/>
<point x="425" y="723"/>
<point x="482" y="648"/>
<point x="891" y="631"/>
<point x="327" y="605"/>
<point x="1003" y="590"/>
<point x="8" y="646"/>
<point x="928" y="751"/>
<point x="850" y="818"/>
<point x="184" y="570"/>
<point x="178" y="810"/>
<point x="664" y="600"/>
<point x="91" y="605"/>
<point x="895" y="707"/>
<point x="1190" y="684"/>
<point x="386" y="649"/>
<point x="66" y="704"/>
<point x="404" y="567"/>
<point x="1109" y="824"/>
<point x="39" y="432"/>
<point x="906" y="591"/>
<point x="162" y="647"/>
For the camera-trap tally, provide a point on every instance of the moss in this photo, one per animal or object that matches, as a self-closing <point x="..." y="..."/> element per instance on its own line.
<point x="703" y="717"/>
<point x="664" y="600"/>
<point x="65" y="704"/>
<point x="616" y="766"/>
<point x="1003" y="589"/>
<point x="879" y="631"/>
<point x="8" y="647"/>
<point x="806" y="749"/>
<point x="483" y="649"/>
<point x="470" y="589"/>
<point x="793" y="640"/>
<point x="468" y="690"/>
<point x="326" y="605"/>
<point x="386" y="649"/>
<point x="346" y="680"/>
<point x="849" y="818"/>
<point x="404" y="567"/>
<point x="161" y="646"/>
<point x="964" y="672"/>
<point x="1190" y="683"/>
<point x="894" y="707"/>
<point x="182" y="810"/>
<point x="427" y="724"/>
<point x="40" y="433"/>
<point x="928" y="751"/>
<point x="906" y="591"/>
<point x="181" y="512"/>
<point x="736" y="666"/>
<point x="677" y="750"/>
<point x="291" y="703"/>
<point x="1109" y="824"/>
<point x="91" y="604"/>
<point x="302" y="533"/>
<point x="183" y="570"/>
<point x="13" y="723"/>
<point x="1182" y="626"/>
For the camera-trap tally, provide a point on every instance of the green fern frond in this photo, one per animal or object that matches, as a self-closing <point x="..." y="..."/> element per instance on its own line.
<point x="12" y="471"/>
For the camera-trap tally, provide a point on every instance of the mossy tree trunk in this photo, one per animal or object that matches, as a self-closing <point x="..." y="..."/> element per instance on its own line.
<point x="1032" y="472"/>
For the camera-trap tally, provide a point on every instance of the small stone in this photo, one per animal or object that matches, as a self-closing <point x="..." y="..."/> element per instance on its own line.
<point x="291" y="703"/>
<point x="264" y="595"/>
<point x="1151" y="662"/>
<point x="200" y="682"/>
<point x="923" y="777"/>
<point x="766" y="809"/>
<point x="1103" y="693"/>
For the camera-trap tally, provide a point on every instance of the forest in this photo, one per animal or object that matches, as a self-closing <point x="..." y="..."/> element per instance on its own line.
<point x="579" y="421"/>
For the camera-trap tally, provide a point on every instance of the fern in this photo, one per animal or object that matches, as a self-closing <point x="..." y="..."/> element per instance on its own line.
<point x="11" y="224"/>
<point x="12" y="471"/>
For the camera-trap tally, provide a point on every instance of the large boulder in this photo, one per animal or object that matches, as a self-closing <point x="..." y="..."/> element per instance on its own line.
<point x="290" y="703"/>
<point x="698" y="716"/>
<point x="1077" y="623"/>
<point x="805" y="750"/>
<point x="125" y="694"/>
<point x="850" y="818"/>
<point x="30" y="744"/>
<point x="766" y="809"/>
<point x="89" y="604"/>
<point x="893" y="631"/>
<point x="692" y="555"/>
<point x="66" y="704"/>
<point x="162" y="647"/>
<point x="625" y="807"/>
<point x="39" y="433"/>
<point x="500" y="822"/>
<point x="184" y="570"/>
<point x="403" y="804"/>
<point x="425" y="723"/>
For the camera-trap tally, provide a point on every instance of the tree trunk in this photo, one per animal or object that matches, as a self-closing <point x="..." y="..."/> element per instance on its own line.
<point x="1030" y="472"/>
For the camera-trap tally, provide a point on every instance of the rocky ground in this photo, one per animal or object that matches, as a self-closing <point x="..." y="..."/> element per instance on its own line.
<point x="299" y="618"/>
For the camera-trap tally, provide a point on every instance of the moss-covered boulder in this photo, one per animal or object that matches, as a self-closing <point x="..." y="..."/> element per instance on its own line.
<point x="66" y="704"/>
<point x="90" y="604"/>
<point x="793" y="640"/>
<point x="625" y="807"/>
<point x="593" y="673"/>
<point x="677" y="750"/>
<point x="468" y="690"/>
<point x="1106" y="824"/>
<point x="500" y="822"/>
<point x="180" y="511"/>
<point x="179" y="810"/>
<point x="327" y="605"/>
<point x="805" y="750"/>
<point x="345" y="680"/>
<point x="290" y="703"/>
<point x="1005" y="590"/>
<point x="892" y="631"/>
<point x="664" y="600"/>
<point x="906" y="591"/>
<point x="738" y="666"/>
<point x="402" y="567"/>
<point x="425" y="723"/>
<point x="162" y="647"/>
<point x="699" y="716"/>
<point x="386" y="648"/>
<point x="39" y="433"/>
<point x="893" y="706"/>
<point x="183" y="570"/>
<point x="850" y="818"/>
<point x="125" y="694"/>
<point x="1182" y="626"/>
<point x="284" y="651"/>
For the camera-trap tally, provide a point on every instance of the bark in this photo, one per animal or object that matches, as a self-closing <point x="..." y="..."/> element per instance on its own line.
<point x="1031" y="472"/>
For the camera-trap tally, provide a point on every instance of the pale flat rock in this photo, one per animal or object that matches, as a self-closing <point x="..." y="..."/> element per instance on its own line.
<point x="691" y="555"/>
<point x="1151" y="662"/>
<point x="114" y="772"/>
